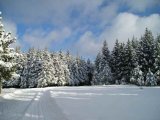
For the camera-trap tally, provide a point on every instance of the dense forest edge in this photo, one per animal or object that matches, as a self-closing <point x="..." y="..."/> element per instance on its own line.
<point x="135" y="62"/>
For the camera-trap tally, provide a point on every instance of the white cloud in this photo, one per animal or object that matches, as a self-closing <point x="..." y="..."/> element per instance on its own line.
<point x="124" y="26"/>
<point x="87" y="44"/>
<point x="108" y="13"/>
<point x="10" y="26"/>
<point x="141" y="5"/>
<point x="82" y="16"/>
<point x="59" y="12"/>
<point x="40" y="38"/>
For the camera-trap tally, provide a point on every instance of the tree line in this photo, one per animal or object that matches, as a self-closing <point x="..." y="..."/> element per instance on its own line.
<point x="134" y="62"/>
<point x="41" y="68"/>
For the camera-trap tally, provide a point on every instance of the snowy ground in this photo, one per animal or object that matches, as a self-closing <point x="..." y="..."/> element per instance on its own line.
<point x="82" y="103"/>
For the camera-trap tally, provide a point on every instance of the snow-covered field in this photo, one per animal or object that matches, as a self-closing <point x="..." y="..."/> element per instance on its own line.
<point x="82" y="103"/>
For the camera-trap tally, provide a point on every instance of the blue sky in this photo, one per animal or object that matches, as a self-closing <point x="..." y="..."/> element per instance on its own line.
<point x="78" y="25"/>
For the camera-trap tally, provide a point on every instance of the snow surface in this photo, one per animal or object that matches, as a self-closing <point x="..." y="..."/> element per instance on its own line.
<point x="7" y="92"/>
<point x="82" y="103"/>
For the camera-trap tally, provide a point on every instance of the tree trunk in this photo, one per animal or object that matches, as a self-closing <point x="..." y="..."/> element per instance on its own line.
<point x="0" y="86"/>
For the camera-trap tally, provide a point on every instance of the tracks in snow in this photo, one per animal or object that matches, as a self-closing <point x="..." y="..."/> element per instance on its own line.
<point x="31" y="104"/>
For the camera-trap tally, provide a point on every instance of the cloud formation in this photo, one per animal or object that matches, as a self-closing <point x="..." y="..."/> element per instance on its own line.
<point x="87" y="44"/>
<point x="12" y="27"/>
<point x="80" y="25"/>
<point x="141" y="5"/>
<point x="41" y="39"/>
<point x="124" y="26"/>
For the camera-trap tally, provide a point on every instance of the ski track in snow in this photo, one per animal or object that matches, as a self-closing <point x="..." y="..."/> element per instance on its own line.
<point x="82" y="103"/>
<point x="30" y="104"/>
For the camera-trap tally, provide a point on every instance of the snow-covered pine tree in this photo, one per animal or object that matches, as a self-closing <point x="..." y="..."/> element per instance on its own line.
<point x="97" y="62"/>
<point x="105" y="76"/>
<point x="45" y="76"/>
<point x="102" y="77"/>
<point x="130" y="61"/>
<point x="150" y="79"/>
<point x="118" y="63"/>
<point x="96" y="69"/>
<point x="73" y="67"/>
<point x="146" y="52"/>
<point x="61" y="55"/>
<point x="76" y="78"/>
<point x="115" y="62"/>
<point x="90" y="70"/>
<point x="28" y="70"/>
<point x="105" y="53"/>
<point x="78" y="72"/>
<point x="7" y="55"/>
<point x="59" y="69"/>
<point x="157" y="59"/>
<point x="20" y="64"/>
<point x="63" y="72"/>
<point x="14" y="82"/>
<point x="137" y="76"/>
<point x="82" y="71"/>
<point x="55" y="69"/>
<point x="121" y="73"/>
<point x="105" y="56"/>
<point x="102" y="74"/>
<point x="68" y="57"/>
<point x="157" y="54"/>
<point x="36" y="69"/>
<point x="69" y="62"/>
<point x="135" y="43"/>
<point x="105" y="73"/>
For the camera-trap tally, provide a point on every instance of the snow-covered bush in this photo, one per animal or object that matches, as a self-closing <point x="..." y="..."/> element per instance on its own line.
<point x="150" y="79"/>
<point x="137" y="76"/>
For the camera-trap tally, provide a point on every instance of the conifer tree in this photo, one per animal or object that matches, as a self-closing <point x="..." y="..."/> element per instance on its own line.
<point x="115" y="62"/>
<point x="7" y="55"/>
<point x="105" y="53"/>
<point x="63" y="73"/>
<point x="97" y="62"/>
<point x="122" y="64"/>
<point x="90" y="70"/>
<point x="130" y="60"/>
<point x="146" y="52"/>
<point x="45" y="76"/>
<point x="157" y="54"/>
<point x="28" y="72"/>
<point x="14" y="82"/>
<point x="135" y="43"/>
<point x="102" y="74"/>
